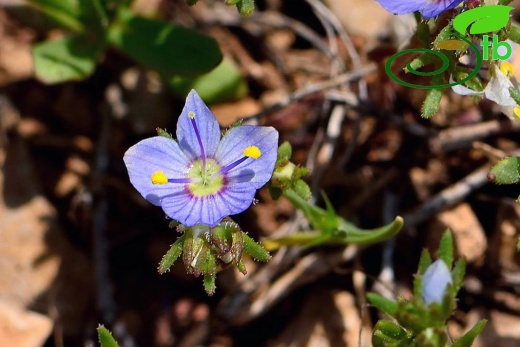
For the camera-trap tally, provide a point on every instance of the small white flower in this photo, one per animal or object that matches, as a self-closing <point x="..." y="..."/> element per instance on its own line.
<point x="497" y="89"/>
<point x="434" y="282"/>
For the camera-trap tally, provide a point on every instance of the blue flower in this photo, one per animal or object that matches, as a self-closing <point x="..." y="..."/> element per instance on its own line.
<point x="434" y="282"/>
<point x="428" y="8"/>
<point x="201" y="178"/>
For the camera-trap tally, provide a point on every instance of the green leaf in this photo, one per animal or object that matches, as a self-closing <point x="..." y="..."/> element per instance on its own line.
<point x="171" y="256"/>
<point x="518" y="245"/>
<point x="168" y="49"/>
<point x="433" y="99"/>
<point x="69" y="58"/>
<point x="469" y="337"/>
<point x="60" y="13"/>
<point x="383" y="304"/>
<point x="256" y="251"/>
<point x="515" y="94"/>
<point x="105" y="337"/>
<point x="446" y="249"/>
<point x="223" y="83"/>
<point x="506" y="171"/>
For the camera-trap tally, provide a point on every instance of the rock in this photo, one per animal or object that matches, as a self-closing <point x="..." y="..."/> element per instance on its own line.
<point x="23" y="328"/>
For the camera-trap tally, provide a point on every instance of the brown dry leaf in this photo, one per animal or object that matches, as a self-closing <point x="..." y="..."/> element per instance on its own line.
<point x="229" y="113"/>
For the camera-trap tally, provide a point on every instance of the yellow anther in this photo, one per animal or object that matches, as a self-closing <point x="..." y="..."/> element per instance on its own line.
<point x="516" y="111"/>
<point x="159" y="178"/>
<point x="252" y="152"/>
<point x="191" y="114"/>
<point x="507" y="68"/>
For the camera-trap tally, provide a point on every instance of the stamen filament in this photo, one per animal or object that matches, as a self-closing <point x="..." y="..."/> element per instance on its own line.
<point x="159" y="177"/>
<point x="191" y="114"/>
<point x="226" y="169"/>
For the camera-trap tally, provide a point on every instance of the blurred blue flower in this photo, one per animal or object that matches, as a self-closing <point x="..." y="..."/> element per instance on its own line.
<point x="434" y="282"/>
<point x="428" y="8"/>
<point x="201" y="178"/>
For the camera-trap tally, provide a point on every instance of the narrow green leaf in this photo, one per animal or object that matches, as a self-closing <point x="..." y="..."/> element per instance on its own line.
<point x="171" y="256"/>
<point x="69" y="58"/>
<point x="168" y="49"/>
<point x="469" y="337"/>
<point x="383" y="304"/>
<point x="506" y="171"/>
<point x="518" y="245"/>
<point x="446" y="248"/>
<point x="256" y="251"/>
<point x="105" y="337"/>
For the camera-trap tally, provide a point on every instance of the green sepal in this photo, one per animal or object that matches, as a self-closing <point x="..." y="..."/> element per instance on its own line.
<point x="193" y="250"/>
<point x="514" y="34"/>
<point x="172" y="255"/>
<point x="241" y="267"/>
<point x="458" y="272"/>
<point x="255" y="250"/>
<point x="444" y="35"/>
<point x="506" y="171"/>
<point x="302" y="189"/>
<point x="515" y="94"/>
<point x="431" y="337"/>
<point x="285" y="151"/>
<point x="446" y="248"/>
<point x="467" y="339"/>
<point x="105" y="337"/>
<point x="387" y="333"/>
<point x="164" y="133"/>
<point x="231" y="2"/>
<point x="383" y="304"/>
<point x="424" y="262"/>
<point x="245" y="7"/>
<point x="209" y="283"/>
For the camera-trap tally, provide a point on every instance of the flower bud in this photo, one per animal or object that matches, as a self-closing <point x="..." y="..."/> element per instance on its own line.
<point x="434" y="282"/>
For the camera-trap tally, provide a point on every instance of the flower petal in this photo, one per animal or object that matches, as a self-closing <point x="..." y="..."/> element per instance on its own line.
<point x="497" y="89"/>
<point x="434" y="282"/>
<point x="149" y="156"/>
<point x="207" y="126"/>
<point x="428" y="8"/>
<point x="231" y="148"/>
